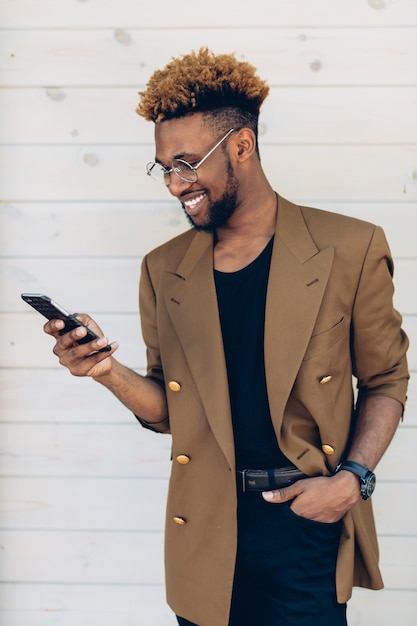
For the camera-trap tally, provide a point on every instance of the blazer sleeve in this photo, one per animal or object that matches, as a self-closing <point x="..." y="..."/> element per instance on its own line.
<point x="379" y="344"/>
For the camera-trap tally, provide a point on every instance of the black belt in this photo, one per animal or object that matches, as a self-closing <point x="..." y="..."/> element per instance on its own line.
<point x="264" y="480"/>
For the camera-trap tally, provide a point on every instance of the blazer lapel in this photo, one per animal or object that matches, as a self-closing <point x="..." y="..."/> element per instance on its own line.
<point x="191" y="300"/>
<point x="297" y="281"/>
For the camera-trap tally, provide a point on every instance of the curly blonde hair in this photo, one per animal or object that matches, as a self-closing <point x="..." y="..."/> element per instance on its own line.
<point x="202" y="82"/>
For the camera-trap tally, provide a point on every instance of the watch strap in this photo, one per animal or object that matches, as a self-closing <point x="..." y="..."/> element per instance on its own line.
<point x="356" y="468"/>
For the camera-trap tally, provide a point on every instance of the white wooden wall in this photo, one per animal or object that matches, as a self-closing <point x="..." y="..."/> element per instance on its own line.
<point x="82" y="487"/>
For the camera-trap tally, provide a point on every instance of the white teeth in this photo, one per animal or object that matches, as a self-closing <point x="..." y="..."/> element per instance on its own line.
<point x="192" y="203"/>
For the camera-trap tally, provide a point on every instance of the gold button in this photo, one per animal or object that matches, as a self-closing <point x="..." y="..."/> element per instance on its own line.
<point x="325" y="379"/>
<point x="179" y="520"/>
<point x="174" y="385"/>
<point x="327" y="449"/>
<point x="183" y="459"/>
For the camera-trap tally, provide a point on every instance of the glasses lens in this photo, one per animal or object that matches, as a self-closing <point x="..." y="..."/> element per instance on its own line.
<point x="184" y="170"/>
<point x="157" y="172"/>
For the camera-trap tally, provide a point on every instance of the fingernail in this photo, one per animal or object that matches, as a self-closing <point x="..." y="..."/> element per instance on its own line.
<point x="102" y="341"/>
<point x="268" y="495"/>
<point x="80" y="331"/>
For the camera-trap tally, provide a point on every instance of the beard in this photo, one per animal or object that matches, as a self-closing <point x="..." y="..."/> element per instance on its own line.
<point x="219" y="211"/>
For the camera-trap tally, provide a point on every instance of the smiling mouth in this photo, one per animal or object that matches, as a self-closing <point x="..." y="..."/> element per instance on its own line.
<point x="193" y="204"/>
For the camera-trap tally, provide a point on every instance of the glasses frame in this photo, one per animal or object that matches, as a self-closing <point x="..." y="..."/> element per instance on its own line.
<point x="177" y="169"/>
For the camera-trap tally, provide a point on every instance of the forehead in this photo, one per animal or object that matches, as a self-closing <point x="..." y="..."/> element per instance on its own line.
<point x="182" y="136"/>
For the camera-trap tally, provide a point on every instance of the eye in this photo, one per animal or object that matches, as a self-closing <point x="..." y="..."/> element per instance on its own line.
<point x="160" y="166"/>
<point x="180" y="164"/>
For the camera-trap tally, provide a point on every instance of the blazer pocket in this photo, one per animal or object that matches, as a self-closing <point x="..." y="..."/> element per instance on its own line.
<point x="325" y="340"/>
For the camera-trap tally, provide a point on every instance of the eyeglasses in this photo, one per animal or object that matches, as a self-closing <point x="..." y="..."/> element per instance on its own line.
<point x="182" y="169"/>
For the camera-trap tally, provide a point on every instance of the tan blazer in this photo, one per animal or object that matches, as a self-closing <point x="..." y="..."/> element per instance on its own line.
<point x="328" y="314"/>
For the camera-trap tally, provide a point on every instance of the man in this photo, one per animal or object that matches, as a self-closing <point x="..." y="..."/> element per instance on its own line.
<point x="255" y="321"/>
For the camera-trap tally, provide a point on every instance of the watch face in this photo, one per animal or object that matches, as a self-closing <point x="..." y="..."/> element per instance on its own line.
<point x="368" y="486"/>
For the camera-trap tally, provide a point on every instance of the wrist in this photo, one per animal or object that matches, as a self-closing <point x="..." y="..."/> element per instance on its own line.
<point x="347" y="484"/>
<point x="106" y="378"/>
<point x="364" y="475"/>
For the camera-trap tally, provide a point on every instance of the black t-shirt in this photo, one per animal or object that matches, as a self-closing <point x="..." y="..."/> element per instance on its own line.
<point x="241" y="299"/>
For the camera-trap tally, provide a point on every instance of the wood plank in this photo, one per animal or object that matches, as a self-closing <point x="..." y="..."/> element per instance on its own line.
<point x="138" y="504"/>
<point x="82" y="401"/>
<point x="32" y="229"/>
<point x="339" y="115"/>
<point x="47" y="13"/>
<point x="98" y="504"/>
<point x="398" y="558"/>
<point x="84" y="504"/>
<point x="108" y="229"/>
<point x="394" y="517"/>
<point x="75" y="116"/>
<point x="24" y="344"/>
<point x="396" y="464"/>
<point x="109" y="558"/>
<point x="82" y="557"/>
<point x="283" y="56"/>
<point x="290" y="115"/>
<point x="81" y="450"/>
<point x="57" y="397"/>
<point x="355" y="173"/>
<point x="385" y="608"/>
<point x="128" y="451"/>
<point x="84" y="605"/>
<point x="81" y="285"/>
<point x="110" y="173"/>
<point x="111" y="285"/>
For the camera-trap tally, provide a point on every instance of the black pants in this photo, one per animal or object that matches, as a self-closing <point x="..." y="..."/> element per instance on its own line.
<point x="285" y="568"/>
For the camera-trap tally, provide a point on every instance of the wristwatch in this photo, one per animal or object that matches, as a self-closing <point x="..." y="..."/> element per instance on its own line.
<point x="366" y="476"/>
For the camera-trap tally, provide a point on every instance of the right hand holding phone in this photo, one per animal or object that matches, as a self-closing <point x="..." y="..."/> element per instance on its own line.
<point x="81" y="359"/>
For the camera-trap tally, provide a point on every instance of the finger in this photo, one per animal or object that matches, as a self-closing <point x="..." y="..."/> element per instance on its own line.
<point x="82" y="360"/>
<point x="54" y="327"/>
<point x="97" y="357"/>
<point x="101" y="344"/>
<point x="273" y="496"/>
<point x="88" y="365"/>
<point x="283" y="495"/>
<point x="67" y="340"/>
<point x="89" y="322"/>
<point x="71" y="352"/>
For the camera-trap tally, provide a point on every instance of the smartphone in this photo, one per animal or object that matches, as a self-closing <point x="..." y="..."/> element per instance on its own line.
<point x="53" y="311"/>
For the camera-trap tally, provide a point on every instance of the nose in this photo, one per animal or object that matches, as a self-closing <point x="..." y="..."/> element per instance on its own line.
<point x="176" y="184"/>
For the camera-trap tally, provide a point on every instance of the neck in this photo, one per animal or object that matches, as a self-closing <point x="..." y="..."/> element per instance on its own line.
<point x="246" y="234"/>
<point x="255" y="217"/>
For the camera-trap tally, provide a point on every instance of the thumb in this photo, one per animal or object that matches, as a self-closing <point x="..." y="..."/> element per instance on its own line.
<point x="280" y="495"/>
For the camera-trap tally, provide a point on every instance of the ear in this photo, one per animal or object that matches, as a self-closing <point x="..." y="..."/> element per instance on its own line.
<point x="245" y="142"/>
